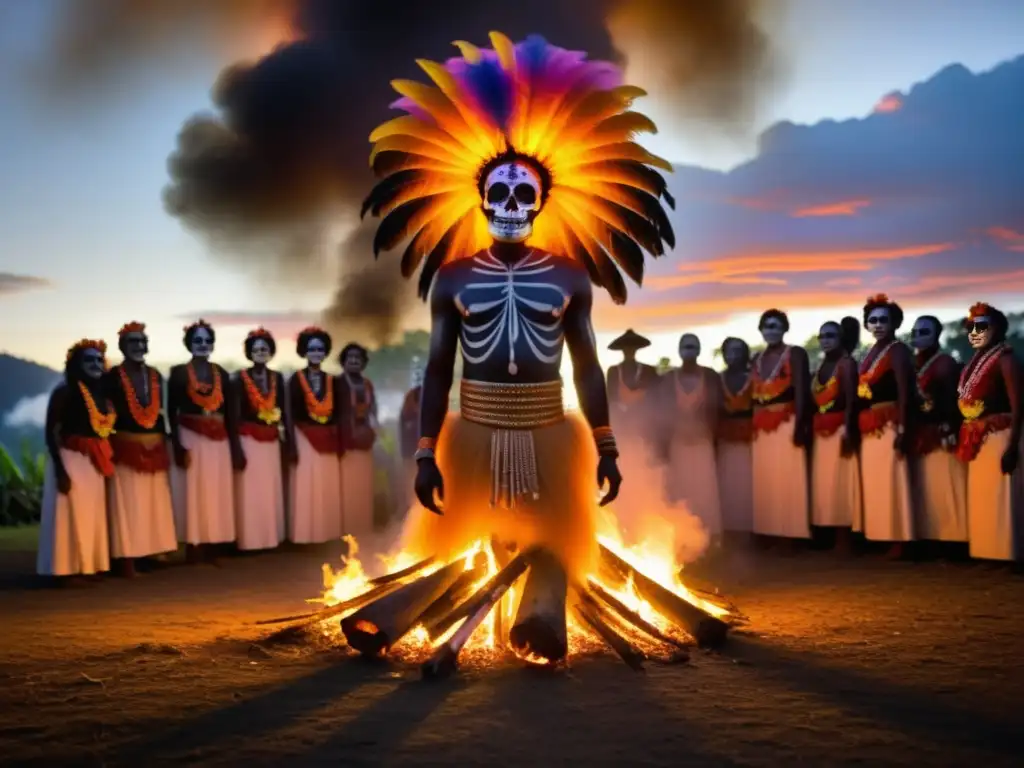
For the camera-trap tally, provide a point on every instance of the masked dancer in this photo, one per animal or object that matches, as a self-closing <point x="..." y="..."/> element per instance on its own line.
<point x="835" y="469"/>
<point x="357" y="405"/>
<point x="886" y="391"/>
<point x="141" y="512"/>
<point x="259" y="490"/>
<point x="939" y="478"/>
<point x="516" y="200"/>
<point x="73" y="537"/>
<point x="315" y="478"/>
<point x="735" y="433"/>
<point x="782" y="425"/>
<point x="989" y="395"/>
<point x="692" y="394"/>
<point x="207" y="452"/>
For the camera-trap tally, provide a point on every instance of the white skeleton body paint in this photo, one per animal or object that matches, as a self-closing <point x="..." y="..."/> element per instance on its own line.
<point x="260" y="352"/>
<point x="980" y="335"/>
<point x="512" y="309"/>
<point x="511" y="201"/>
<point x="202" y="343"/>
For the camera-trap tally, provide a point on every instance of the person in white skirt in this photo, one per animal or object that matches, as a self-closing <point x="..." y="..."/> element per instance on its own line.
<point x="314" y="478"/>
<point x="141" y="512"/>
<point x="989" y="398"/>
<point x="207" y="452"/>
<point x="259" y="490"/>
<point x="357" y="416"/>
<point x="691" y="400"/>
<point x="835" y="469"/>
<point x="782" y="432"/>
<point x="735" y="433"/>
<point x="73" y="534"/>
<point x="886" y="391"/>
<point x="939" y="478"/>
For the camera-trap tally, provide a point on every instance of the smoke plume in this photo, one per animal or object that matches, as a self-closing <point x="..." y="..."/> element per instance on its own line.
<point x="282" y="160"/>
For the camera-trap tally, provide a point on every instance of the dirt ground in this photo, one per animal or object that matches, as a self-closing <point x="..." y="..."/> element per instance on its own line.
<point x="847" y="662"/>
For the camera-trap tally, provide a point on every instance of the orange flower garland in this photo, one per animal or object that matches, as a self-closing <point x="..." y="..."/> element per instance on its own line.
<point x="924" y="384"/>
<point x="825" y="394"/>
<point x="871" y="370"/>
<point x="319" y="411"/>
<point x="778" y="381"/>
<point x="146" y="416"/>
<point x="209" y="397"/>
<point x="265" y="405"/>
<point x="737" y="402"/>
<point x="102" y="423"/>
<point x="976" y="379"/>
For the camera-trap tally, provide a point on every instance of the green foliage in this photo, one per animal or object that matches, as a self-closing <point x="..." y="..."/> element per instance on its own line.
<point x="390" y="367"/>
<point x="664" y="365"/>
<point x="21" y="487"/>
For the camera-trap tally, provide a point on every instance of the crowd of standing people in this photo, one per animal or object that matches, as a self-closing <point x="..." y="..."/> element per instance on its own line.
<point x="206" y="458"/>
<point x="905" y="444"/>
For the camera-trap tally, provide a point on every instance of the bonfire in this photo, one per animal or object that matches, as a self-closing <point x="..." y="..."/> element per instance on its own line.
<point x="480" y="605"/>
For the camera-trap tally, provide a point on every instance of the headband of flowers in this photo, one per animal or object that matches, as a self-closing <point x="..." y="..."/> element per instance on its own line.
<point x="98" y="344"/>
<point x="133" y="327"/>
<point x="311" y="330"/>
<point x="878" y="298"/>
<point x="980" y="309"/>
<point x="259" y="333"/>
<point x="200" y="323"/>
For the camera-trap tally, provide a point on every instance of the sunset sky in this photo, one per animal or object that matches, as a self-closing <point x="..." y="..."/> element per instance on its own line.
<point x="893" y="159"/>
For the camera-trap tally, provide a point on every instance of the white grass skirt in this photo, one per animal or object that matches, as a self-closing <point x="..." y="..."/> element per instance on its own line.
<point x="781" y="506"/>
<point x="141" y="513"/>
<point x="736" y="485"/>
<point x="940" y="496"/>
<point x="259" y="496"/>
<point x="357" y="493"/>
<point x="693" y="479"/>
<point x="835" y="484"/>
<point x="888" y="514"/>
<point x="994" y="502"/>
<point x="204" y="506"/>
<point x="73" y="527"/>
<point x="315" y="495"/>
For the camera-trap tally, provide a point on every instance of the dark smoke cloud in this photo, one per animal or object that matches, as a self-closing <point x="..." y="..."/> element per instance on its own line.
<point x="283" y="158"/>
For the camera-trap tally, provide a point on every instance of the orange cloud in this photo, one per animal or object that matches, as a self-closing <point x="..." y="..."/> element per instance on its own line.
<point x="1011" y="238"/>
<point x="843" y="282"/>
<point x="756" y="265"/>
<point x="847" y="208"/>
<point x="891" y="102"/>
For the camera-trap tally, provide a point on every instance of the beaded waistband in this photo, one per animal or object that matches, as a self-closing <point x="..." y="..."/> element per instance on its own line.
<point x="511" y="406"/>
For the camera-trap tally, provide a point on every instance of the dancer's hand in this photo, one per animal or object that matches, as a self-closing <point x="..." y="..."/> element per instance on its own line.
<point x="1009" y="461"/>
<point x="608" y="472"/>
<point x="428" y="482"/>
<point x="63" y="480"/>
<point x="181" y="457"/>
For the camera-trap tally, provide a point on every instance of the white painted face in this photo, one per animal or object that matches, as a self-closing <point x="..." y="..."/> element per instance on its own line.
<point x="879" y="323"/>
<point x="511" y="201"/>
<point x="353" y="362"/>
<point x="923" y="335"/>
<point x="828" y="337"/>
<point x="260" y="352"/>
<point x="202" y="343"/>
<point x="92" y="363"/>
<point x="979" y="332"/>
<point x="772" y="331"/>
<point x="136" y="346"/>
<point x="316" y="351"/>
<point x="734" y="354"/>
<point x="689" y="348"/>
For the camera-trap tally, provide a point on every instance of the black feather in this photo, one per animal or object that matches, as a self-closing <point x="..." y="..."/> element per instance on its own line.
<point x="628" y="256"/>
<point x="437" y="258"/>
<point x="599" y="263"/>
<point x="644" y="232"/>
<point x="413" y="255"/>
<point x="651" y="210"/>
<point x="391" y="161"/>
<point x="654" y="178"/>
<point x="392" y="228"/>
<point x="388" y="189"/>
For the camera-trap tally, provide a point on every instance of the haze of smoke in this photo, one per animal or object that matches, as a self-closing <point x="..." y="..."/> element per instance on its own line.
<point x="285" y="152"/>
<point x="28" y="412"/>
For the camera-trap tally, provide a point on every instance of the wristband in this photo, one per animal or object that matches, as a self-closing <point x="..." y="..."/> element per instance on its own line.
<point x="604" y="438"/>
<point x="425" y="449"/>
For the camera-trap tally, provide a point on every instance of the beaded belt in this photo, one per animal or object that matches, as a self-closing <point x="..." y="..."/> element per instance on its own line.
<point x="513" y="410"/>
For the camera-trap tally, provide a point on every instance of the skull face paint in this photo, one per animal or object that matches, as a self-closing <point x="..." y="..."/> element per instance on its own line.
<point x="734" y="355"/>
<point x="92" y="363"/>
<point x="353" y="362"/>
<point x="923" y="335"/>
<point x="979" y="332"/>
<point x="879" y="323"/>
<point x="828" y="338"/>
<point x="202" y="343"/>
<point x="316" y="351"/>
<point x="772" y="331"/>
<point x="511" y="201"/>
<point x="136" y="347"/>
<point x="260" y="353"/>
<point x="689" y="348"/>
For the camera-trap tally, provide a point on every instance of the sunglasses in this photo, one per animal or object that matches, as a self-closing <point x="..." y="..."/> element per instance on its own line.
<point x="826" y="335"/>
<point x="877" y="320"/>
<point x="978" y="326"/>
<point x="917" y="332"/>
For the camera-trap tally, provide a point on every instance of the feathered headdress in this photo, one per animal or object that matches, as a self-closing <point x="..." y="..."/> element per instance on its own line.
<point x="553" y="109"/>
<point x="98" y="344"/>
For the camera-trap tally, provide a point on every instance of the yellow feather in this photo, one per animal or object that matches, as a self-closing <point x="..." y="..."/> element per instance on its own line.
<point x="505" y="49"/>
<point x="436" y="185"/>
<point x="484" y="136"/>
<point x="469" y="51"/>
<point x="412" y="144"/>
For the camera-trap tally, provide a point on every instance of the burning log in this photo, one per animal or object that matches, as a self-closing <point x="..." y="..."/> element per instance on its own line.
<point x="540" y="626"/>
<point x="709" y="631"/>
<point x="376" y="627"/>
<point x="444" y="661"/>
<point x="455" y="594"/>
<point x="502" y="556"/>
<point x="588" y="612"/>
<point x="631" y="616"/>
